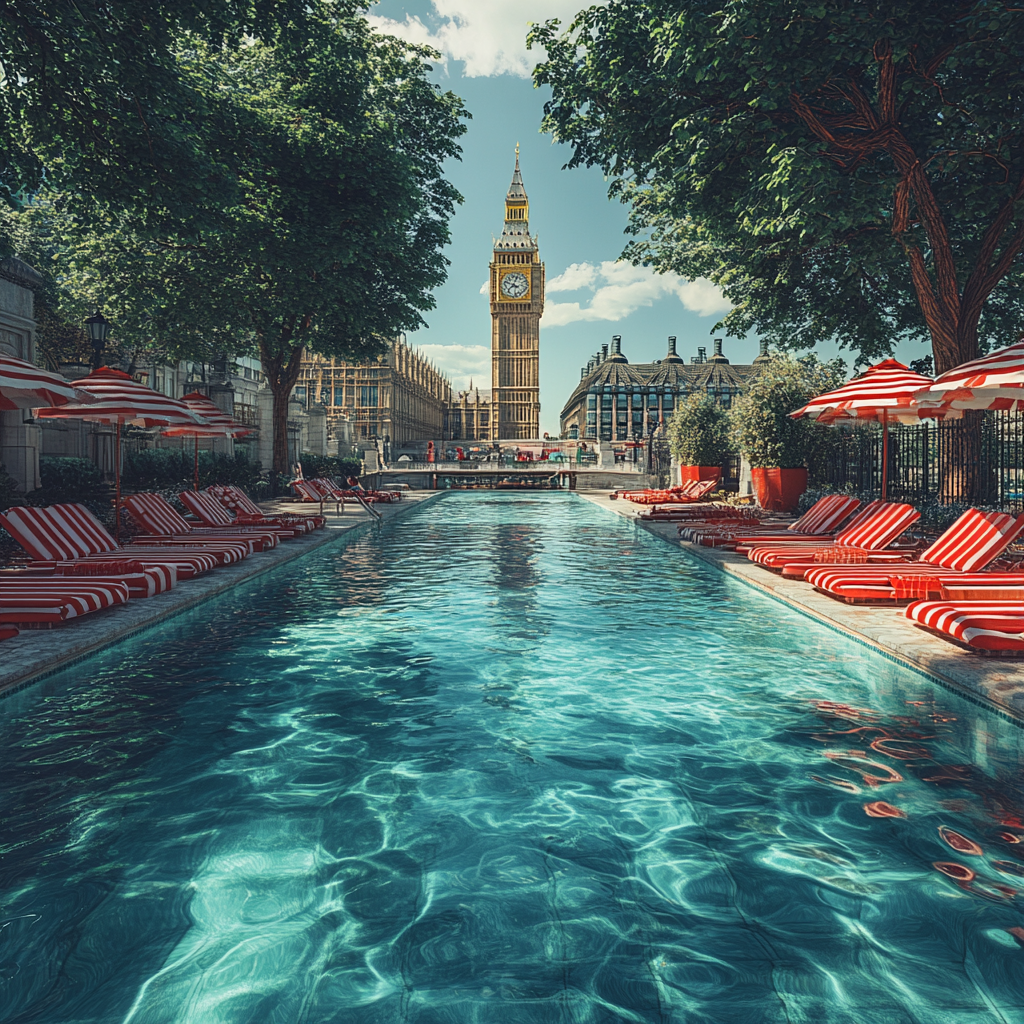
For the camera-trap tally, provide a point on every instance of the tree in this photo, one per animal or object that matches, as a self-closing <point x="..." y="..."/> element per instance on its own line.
<point x="762" y="428"/>
<point x="93" y="104"/>
<point x="852" y="169"/>
<point x="698" y="432"/>
<point x="334" y="242"/>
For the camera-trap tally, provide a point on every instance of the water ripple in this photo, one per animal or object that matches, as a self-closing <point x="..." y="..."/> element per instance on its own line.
<point x="508" y="760"/>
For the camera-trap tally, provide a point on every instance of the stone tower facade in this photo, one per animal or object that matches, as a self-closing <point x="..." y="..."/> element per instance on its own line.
<point x="517" y="302"/>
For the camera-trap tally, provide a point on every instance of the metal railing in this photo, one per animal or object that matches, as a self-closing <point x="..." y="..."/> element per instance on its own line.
<point x="979" y="459"/>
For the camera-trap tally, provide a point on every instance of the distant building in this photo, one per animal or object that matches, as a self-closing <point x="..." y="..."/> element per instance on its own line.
<point x="616" y="400"/>
<point x="399" y="396"/>
<point x="470" y="415"/>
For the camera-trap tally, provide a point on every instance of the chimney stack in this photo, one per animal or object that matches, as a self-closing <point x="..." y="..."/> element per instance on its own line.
<point x="617" y="344"/>
<point x="604" y="353"/>
<point x="718" y="346"/>
<point x="702" y="354"/>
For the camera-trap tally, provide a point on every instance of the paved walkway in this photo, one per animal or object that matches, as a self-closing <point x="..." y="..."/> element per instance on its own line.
<point x="39" y="652"/>
<point x="996" y="682"/>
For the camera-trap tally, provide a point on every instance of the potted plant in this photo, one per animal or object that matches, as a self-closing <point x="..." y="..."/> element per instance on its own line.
<point x="778" y="448"/>
<point x="699" y="437"/>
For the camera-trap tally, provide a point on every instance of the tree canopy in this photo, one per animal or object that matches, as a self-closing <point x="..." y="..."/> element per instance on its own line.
<point x="332" y="242"/>
<point x="850" y="169"/>
<point x="93" y="103"/>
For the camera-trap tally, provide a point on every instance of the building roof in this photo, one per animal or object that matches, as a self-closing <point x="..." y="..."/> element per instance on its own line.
<point x="612" y="369"/>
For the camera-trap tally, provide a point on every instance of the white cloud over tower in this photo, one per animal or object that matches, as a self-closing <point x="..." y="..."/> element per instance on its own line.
<point x="488" y="35"/>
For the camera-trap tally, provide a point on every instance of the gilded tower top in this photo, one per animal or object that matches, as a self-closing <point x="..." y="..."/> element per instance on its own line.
<point x="516" y="233"/>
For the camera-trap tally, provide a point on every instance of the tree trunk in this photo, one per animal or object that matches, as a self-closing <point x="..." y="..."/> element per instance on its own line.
<point x="281" y="364"/>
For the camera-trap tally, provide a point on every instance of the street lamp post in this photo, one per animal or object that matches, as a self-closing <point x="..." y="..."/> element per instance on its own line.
<point x="98" y="328"/>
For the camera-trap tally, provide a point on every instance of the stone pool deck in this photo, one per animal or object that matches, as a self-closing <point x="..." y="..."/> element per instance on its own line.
<point x="38" y="652"/>
<point x="994" y="682"/>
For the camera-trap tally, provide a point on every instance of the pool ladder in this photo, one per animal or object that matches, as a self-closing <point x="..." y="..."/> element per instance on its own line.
<point x="369" y="508"/>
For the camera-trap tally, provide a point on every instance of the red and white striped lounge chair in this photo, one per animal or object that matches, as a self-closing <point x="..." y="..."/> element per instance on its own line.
<point x="306" y="490"/>
<point x="981" y="625"/>
<point x="211" y="513"/>
<point x="45" y="601"/>
<point x="863" y="540"/>
<point x="142" y="581"/>
<point x="248" y="513"/>
<point x="821" y="520"/>
<point x="163" y="524"/>
<point x="8" y="632"/>
<point x="683" y="494"/>
<point x="974" y="541"/>
<point x="72" y="534"/>
<point x="349" y="492"/>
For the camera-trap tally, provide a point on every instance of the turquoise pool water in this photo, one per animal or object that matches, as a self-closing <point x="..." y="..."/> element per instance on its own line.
<point x="507" y="760"/>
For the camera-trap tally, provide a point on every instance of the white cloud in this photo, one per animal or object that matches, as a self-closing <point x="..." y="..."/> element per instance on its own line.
<point x="460" y="363"/>
<point x="619" y="289"/>
<point x="489" y="35"/>
<point x="485" y="288"/>
<point x="575" y="276"/>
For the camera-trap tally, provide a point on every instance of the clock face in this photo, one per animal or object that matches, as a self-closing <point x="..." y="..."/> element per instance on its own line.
<point x="515" y="285"/>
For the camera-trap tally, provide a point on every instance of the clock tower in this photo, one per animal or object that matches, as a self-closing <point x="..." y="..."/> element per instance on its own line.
<point x="517" y="302"/>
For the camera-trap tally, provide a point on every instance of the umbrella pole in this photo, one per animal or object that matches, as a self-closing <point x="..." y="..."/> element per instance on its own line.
<point x="117" y="486"/>
<point x="885" y="454"/>
<point x="196" y="477"/>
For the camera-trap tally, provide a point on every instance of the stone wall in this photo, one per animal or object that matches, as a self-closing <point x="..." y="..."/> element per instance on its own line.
<point x="20" y="438"/>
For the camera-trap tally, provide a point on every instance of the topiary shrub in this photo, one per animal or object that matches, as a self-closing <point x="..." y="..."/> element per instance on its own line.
<point x="699" y="432"/>
<point x="761" y="426"/>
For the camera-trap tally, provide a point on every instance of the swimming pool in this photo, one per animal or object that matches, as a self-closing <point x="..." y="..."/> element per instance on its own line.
<point x="509" y="759"/>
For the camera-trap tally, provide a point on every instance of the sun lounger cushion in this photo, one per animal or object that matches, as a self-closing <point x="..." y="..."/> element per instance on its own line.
<point x="164" y="525"/>
<point x="236" y="500"/>
<point x="213" y="514"/>
<point x="57" y="599"/>
<point x="975" y="540"/>
<point x="876" y="532"/>
<point x="985" y="625"/>
<point x="59" y="533"/>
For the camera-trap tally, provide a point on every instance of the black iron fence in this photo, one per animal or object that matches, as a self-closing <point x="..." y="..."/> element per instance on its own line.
<point x="978" y="459"/>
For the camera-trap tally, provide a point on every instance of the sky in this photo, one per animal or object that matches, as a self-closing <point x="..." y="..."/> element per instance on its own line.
<point x="590" y="295"/>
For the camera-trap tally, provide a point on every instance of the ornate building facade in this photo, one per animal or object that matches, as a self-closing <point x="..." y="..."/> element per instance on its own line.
<point x="517" y="302"/>
<point x="469" y="415"/>
<point x="616" y="400"/>
<point x="399" y="396"/>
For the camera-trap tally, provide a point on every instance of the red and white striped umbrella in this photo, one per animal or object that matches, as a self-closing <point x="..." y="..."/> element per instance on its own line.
<point x="25" y="386"/>
<point x="884" y="391"/>
<point x="215" y="423"/>
<point x="116" y="398"/>
<point x="994" y="381"/>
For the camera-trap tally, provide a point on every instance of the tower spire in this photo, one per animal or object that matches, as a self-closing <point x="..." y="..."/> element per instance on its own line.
<point x="516" y="190"/>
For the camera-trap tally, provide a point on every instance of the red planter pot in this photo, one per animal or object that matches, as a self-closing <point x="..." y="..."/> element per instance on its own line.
<point x="779" y="490"/>
<point x="694" y="474"/>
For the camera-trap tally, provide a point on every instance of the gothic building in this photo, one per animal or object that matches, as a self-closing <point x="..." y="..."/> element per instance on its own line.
<point x="399" y="396"/>
<point x="517" y="302"/>
<point x="616" y="400"/>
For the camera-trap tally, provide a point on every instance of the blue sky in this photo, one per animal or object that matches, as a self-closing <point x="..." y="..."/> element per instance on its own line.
<point x="590" y="297"/>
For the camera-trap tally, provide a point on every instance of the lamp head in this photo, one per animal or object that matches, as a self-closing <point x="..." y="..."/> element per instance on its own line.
<point x="98" y="327"/>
